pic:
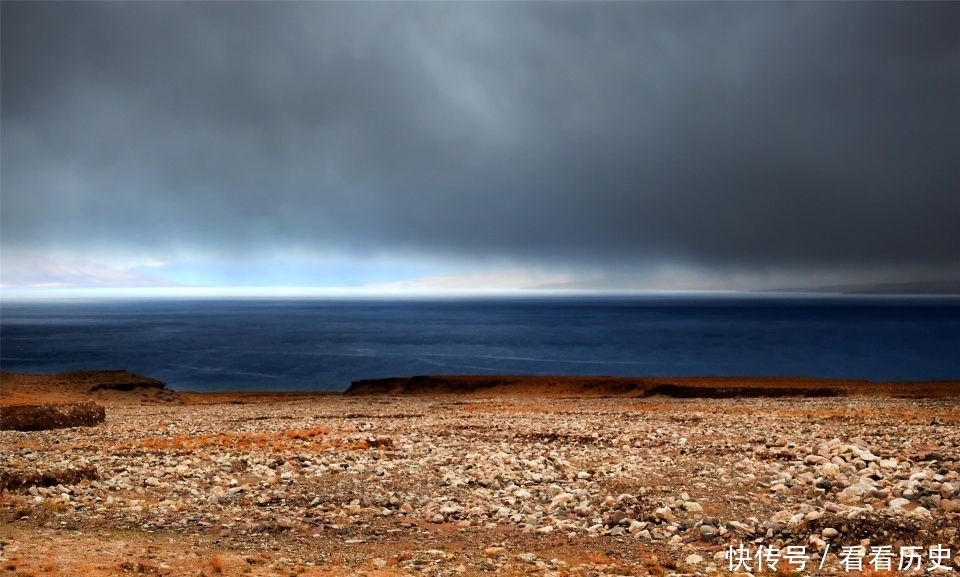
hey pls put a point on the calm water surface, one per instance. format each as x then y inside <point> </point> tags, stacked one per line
<point>325,344</point>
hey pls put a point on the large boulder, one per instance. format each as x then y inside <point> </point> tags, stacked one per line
<point>50,416</point>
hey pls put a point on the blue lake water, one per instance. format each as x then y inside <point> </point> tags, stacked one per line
<point>208,345</point>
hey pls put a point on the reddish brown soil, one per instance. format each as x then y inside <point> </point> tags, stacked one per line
<point>725,454</point>
<point>104,387</point>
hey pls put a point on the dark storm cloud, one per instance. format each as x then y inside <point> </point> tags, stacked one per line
<point>720,134</point>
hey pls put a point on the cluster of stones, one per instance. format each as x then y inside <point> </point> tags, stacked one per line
<point>681,480</point>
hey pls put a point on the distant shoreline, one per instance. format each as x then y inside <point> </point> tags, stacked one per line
<point>123,387</point>
<point>627,387</point>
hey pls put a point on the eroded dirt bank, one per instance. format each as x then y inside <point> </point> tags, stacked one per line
<point>102,387</point>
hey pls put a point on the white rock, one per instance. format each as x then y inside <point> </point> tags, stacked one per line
<point>921,512</point>
<point>561,499</point>
<point>899,503</point>
<point>829,469</point>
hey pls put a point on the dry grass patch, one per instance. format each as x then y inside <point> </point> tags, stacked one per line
<point>275,440</point>
<point>507,407</point>
<point>873,414</point>
<point>871,572</point>
<point>784,572</point>
<point>54,505</point>
<point>304,434</point>
<point>216,563</point>
<point>21,511</point>
<point>317,438</point>
<point>708,406</point>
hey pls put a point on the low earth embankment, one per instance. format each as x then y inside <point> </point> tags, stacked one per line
<point>103,387</point>
<point>50,416</point>
<point>31,402</point>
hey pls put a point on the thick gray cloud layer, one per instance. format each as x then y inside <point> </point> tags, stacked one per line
<point>721,134</point>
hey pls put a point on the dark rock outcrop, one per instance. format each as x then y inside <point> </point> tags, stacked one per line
<point>115,380</point>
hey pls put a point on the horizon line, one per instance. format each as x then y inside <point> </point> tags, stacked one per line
<point>307,292</point>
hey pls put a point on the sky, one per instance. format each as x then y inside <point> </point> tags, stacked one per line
<point>479,145</point>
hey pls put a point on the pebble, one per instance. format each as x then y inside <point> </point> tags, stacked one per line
<point>551,474</point>
<point>899,503</point>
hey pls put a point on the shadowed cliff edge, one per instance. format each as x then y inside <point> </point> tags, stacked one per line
<point>686,387</point>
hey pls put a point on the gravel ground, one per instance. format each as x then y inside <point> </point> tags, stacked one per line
<point>449,485</point>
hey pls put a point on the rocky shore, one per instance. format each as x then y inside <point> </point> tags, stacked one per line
<point>448,485</point>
